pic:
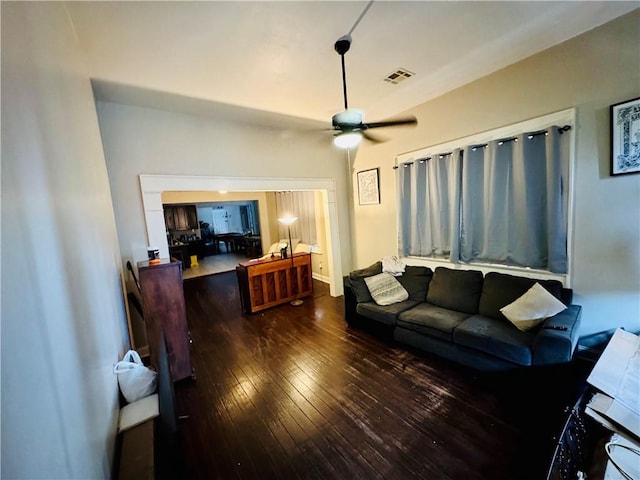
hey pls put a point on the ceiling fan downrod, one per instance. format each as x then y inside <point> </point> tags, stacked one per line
<point>342,46</point>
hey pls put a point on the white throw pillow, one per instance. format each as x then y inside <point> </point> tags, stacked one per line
<point>385,289</point>
<point>532,308</point>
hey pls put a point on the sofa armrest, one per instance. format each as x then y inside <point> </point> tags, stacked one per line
<point>556,345</point>
<point>351,315</point>
<point>350,302</point>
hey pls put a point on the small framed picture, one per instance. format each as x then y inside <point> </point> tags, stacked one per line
<point>369,187</point>
<point>625,137</point>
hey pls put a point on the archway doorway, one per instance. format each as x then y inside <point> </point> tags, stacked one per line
<point>152,187</point>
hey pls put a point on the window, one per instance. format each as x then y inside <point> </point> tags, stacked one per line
<point>501,201</point>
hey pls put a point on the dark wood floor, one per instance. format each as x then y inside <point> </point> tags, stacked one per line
<point>293,392</point>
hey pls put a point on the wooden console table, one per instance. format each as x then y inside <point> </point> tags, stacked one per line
<point>273,281</point>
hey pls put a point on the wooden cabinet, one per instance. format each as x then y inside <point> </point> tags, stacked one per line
<point>164,311</point>
<point>270,282</point>
<point>180,217</point>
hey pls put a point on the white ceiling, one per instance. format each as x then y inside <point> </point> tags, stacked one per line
<point>279,57</point>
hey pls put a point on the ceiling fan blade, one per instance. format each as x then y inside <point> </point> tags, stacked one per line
<point>392,123</point>
<point>372,138</point>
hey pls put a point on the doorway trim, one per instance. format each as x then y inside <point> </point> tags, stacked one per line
<point>152,186</point>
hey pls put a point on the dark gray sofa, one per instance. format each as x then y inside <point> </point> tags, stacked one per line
<point>456,314</point>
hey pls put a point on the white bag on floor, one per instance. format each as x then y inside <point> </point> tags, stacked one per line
<point>136,381</point>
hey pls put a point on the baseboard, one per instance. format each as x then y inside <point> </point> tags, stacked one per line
<point>320,278</point>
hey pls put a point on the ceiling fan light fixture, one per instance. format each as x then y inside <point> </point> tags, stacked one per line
<point>347,139</point>
<point>348,124</point>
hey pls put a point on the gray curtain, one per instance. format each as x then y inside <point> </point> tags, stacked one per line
<point>514,203</point>
<point>429,199</point>
<point>301,205</point>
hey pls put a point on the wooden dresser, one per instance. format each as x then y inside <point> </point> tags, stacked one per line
<point>269,282</point>
<point>164,311</point>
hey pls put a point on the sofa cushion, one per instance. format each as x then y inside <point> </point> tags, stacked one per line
<point>457,290</point>
<point>387,314</point>
<point>385,289</point>
<point>532,308</point>
<point>432,320</point>
<point>415,280</point>
<point>495,338</point>
<point>500,289</point>
<point>357,277</point>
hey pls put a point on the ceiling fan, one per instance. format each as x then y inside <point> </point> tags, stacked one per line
<point>348,124</point>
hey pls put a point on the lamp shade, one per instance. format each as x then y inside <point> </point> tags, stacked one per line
<point>347,139</point>
<point>287,220</point>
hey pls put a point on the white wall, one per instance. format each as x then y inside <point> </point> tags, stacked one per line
<point>140,140</point>
<point>589,72</point>
<point>63,319</point>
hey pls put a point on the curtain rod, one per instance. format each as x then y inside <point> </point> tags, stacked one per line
<point>501,141</point>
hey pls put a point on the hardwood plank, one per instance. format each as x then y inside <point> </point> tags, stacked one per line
<point>293,392</point>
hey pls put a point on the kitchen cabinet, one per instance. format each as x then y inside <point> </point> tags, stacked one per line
<point>196,248</point>
<point>169,220</point>
<point>181,217</point>
<point>182,222</point>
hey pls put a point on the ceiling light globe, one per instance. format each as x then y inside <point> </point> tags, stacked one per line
<point>347,140</point>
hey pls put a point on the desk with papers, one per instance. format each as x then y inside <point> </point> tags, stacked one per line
<point>615,404</point>
<point>600,439</point>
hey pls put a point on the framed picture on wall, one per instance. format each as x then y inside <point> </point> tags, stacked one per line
<point>625,137</point>
<point>369,187</point>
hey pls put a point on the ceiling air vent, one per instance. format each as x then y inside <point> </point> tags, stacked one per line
<point>398,76</point>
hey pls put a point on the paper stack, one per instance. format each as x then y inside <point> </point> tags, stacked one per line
<point>617,376</point>
<point>617,403</point>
